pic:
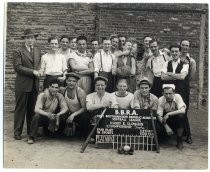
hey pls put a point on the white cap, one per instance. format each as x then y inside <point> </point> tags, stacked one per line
<point>169,86</point>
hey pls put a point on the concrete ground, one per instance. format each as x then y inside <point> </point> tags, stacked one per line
<point>48,153</point>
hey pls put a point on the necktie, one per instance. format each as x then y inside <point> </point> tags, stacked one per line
<point>32,53</point>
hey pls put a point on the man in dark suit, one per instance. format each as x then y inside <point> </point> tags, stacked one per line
<point>26,62</point>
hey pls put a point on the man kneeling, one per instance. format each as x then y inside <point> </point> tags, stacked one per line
<point>171,111</point>
<point>47,105</point>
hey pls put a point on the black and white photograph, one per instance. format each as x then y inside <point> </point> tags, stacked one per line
<point>105,85</point>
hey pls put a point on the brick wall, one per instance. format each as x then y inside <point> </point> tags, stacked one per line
<point>46,19</point>
<point>168,22</point>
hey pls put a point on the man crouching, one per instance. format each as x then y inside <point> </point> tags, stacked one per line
<point>47,105</point>
<point>171,111</point>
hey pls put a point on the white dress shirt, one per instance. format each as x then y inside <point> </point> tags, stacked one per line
<point>53,64</point>
<point>107,61</point>
<point>174,66</point>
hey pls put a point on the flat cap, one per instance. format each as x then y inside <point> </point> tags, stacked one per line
<point>144,80</point>
<point>73,74</point>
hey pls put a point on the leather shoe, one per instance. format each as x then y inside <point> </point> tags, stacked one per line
<point>189,140</point>
<point>30,140</point>
<point>179,143</point>
<point>17,137</point>
<point>180,146</point>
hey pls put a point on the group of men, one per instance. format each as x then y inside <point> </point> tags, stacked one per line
<point>78,83</point>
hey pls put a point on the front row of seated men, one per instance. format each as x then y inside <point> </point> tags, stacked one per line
<point>57,107</point>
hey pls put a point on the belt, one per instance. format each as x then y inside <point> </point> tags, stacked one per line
<point>54,75</point>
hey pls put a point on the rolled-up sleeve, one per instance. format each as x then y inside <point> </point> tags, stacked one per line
<point>160,107</point>
<point>43,65</point>
<point>89,101</point>
<point>179,101</point>
<point>136,100</point>
<point>185,68</point>
<point>96,62</point>
<point>64,67</point>
<point>165,66</point>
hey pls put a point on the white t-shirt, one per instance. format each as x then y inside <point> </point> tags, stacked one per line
<point>125,102</point>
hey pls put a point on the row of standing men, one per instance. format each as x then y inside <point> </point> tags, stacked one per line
<point>131,61</point>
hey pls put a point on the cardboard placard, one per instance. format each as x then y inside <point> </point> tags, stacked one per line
<point>121,127</point>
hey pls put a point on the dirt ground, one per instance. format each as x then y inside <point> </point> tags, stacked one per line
<point>54,153</point>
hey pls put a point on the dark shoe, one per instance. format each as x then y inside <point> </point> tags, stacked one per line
<point>17,137</point>
<point>121,150</point>
<point>189,140</point>
<point>180,146</point>
<point>31,140</point>
<point>179,143</point>
<point>131,151</point>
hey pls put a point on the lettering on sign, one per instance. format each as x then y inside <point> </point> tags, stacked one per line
<point>120,127</point>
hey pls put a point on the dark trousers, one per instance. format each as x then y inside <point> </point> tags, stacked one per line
<point>83,121</point>
<point>25,104</point>
<point>175,122</point>
<point>156,88</point>
<point>41,120</point>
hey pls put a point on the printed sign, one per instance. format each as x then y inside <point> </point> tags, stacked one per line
<point>131,127</point>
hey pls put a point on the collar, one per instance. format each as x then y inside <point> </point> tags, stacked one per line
<point>108,53</point>
<point>29,47</point>
<point>147,97</point>
<point>174,100</point>
<point>187,55</point>
<point>116,93</point>
<point>178,61</point>
<point>81,54</point>
<point>47,93</point>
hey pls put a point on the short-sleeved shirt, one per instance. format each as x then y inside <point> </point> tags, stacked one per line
<point>191,61</point>
<point>48,103</point>
<point>150,101</point>
<point>165,107</point>
<point>94,99</point>
<point>185,67</point>
<point>81,60</point>
<point>53,64</point>
<point>125,102</point>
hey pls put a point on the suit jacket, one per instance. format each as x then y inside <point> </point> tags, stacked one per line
<point>24,66</point>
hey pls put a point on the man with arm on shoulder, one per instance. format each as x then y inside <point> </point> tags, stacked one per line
<point>154,66</point>
<point>176,72</point>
